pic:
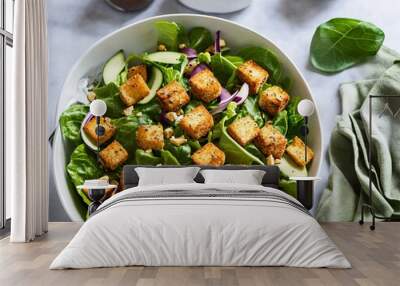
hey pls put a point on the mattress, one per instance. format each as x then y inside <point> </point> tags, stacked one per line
<point>201,225</point>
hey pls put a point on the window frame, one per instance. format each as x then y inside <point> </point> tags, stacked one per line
<point>6,39</point>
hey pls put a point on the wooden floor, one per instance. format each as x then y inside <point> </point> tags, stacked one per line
<point>375,257</point>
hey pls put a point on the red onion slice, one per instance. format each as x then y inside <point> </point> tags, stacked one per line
<point>224,102</point>
<point>242,94</point>
<point>217,43</point>
<point>198,69</point>
<point>190,53</point>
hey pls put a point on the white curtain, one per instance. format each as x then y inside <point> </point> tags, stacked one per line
<point>26,123</point>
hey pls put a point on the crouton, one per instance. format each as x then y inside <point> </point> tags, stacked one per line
<point>243,130</point>
<point>252,74</point>
<point>197,122</point>
<point>113,155</point>
<point>140,69</point>
<point>296,151</point>
<point>210,155</point>
<point>271,142</point>
<point>134,90</point>
<point>90,129</point>
<point>205,86</point>
<point>273,100</point>
<point>173,96</point>
<point>150,137</point>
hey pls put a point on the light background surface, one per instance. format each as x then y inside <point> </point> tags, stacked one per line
<point>73,26</point>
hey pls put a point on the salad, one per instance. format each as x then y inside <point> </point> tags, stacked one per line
<point>193,100</point>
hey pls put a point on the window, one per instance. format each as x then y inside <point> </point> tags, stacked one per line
<point>6,44</point>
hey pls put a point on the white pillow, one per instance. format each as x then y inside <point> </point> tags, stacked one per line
<point>249,177</point>
<point>164,176</point>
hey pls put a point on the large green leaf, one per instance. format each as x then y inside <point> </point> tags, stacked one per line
<point>146,158</point>
<point>83,166</point>
<point>222,68</point>
<point>280,122</point>
<point>342,42</point>
<point>70,123</point>
<point>169,34</point>
<point>294,119</point>
<point>200,38</point>
<point>110,95</point>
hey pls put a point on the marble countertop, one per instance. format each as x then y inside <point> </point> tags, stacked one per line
<point>73,26</point>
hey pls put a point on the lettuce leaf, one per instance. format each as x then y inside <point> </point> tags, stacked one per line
<point>146,158</point>
<point>295,120</point>
<point>83,166</point>
<point>222,68</point>
<point>70,123</point>
<point>168,158</point>
<point>110,95</point>
<point>200,38</point>
<point>182,153</point>
<point>280,122</point>
<point>169,34</point>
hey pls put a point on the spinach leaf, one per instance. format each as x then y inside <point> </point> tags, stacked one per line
<point>83,166</point>
<point>110,95</point>
<point>168,158</point>
<point>200,38</point>
<point>342,42</point>
<point>182,153</point>
<point>152,109</point>
<point>146,158</point>
<point>250,107</point>
<point>126,130</point>
<point>251,148</point>
<point>237,61</point>
<point>295,120</point>
<point>168,34</point>
<point>222,68</point>
<point>267,60</point>
<point>280,122</point>
<point>70,123</point>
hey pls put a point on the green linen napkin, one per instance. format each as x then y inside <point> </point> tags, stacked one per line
<point>348,152</point>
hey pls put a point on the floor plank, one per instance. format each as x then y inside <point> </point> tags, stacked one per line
<point>375,257</point>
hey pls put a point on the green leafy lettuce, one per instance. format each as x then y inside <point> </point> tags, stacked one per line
<point>170,34</point>
<point>182,153</point>
<point>250,107</point>
<point>294,119</point>
<point>70,123</point>
<point>83,166</point>
<point>200,38</point>
<point>110,95</point>
<point>222,68</point>
<point>280,122</point>
<point>342,42</point>
<point>146,158</point>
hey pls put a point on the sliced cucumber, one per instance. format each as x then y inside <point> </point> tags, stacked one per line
<point>154,84</point>
<point>85,138</point>
<point>172,58</point>
<point>113,67</point>
<point>290,169</point>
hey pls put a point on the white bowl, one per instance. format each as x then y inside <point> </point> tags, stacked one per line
<point>140,37</point>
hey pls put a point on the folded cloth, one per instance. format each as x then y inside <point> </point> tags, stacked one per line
<point>348,184</point>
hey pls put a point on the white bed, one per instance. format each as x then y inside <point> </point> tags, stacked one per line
<point>222,225</point>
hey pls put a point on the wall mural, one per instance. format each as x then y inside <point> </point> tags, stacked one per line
<point>193,99</point>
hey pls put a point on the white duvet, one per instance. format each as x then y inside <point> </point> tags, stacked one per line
<point>190,231</point>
